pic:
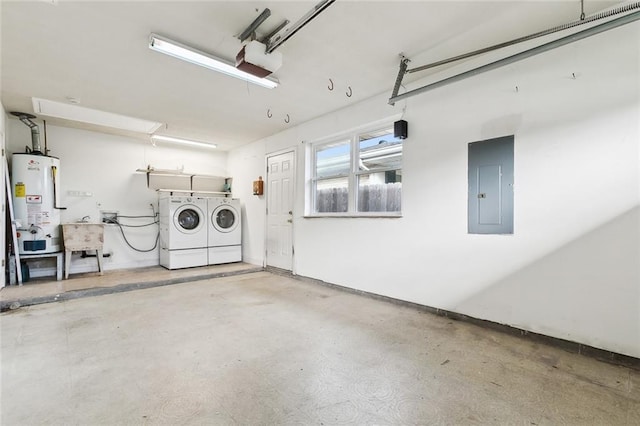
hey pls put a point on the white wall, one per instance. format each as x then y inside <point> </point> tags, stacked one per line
<point>105,166</point>
<point>571,269</point>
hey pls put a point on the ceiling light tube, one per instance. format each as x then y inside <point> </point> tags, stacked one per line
<point>198,57</point>
<point>182,141</point>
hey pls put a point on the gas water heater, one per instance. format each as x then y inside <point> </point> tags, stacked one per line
<point>35,177</point>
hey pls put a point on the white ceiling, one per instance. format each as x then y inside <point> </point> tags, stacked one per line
<point>98,52</point>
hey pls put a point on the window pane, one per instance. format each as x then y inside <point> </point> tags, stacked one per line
<point>332,195</point>
<point>333,159</point>
<point>378,150</point>
<point>380,192</point>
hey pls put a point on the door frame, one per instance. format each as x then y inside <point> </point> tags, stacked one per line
<point>4,257</point>
<point>294,208</point>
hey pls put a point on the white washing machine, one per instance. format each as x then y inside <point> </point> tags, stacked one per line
<point>183,231</point>
<point>225,230</point>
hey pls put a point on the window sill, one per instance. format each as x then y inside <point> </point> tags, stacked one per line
<point>355,215</point>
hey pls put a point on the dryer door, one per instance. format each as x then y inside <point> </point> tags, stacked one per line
<point>188,219</point>
<point>225,218</point>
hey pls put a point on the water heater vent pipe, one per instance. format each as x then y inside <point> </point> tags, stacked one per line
<point>35,130</point>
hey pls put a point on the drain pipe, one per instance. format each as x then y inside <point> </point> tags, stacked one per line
<point>615,23</point>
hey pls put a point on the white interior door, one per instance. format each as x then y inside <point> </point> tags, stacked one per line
<point>280,174</point>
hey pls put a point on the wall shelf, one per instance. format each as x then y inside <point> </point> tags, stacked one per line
<point>191,192</point>
<point>164,180</point>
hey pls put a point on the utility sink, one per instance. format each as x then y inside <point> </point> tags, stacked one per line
<point>82,236</point>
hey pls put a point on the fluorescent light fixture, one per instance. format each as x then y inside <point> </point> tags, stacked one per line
<point>93,116</point>
<point>182,141</point>
<point>198,57</point>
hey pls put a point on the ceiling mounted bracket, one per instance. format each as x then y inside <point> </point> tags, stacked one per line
<point>250,31</point>
<point>613,12</point>
<point>572,38</point>
<point>273,33</point>
<point>404,63</point>
<point>278,40</point>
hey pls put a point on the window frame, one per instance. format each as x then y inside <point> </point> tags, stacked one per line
<point>353,138</point>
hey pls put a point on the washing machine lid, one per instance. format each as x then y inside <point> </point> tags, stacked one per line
<point>225,218</point>
<point>188,219</point>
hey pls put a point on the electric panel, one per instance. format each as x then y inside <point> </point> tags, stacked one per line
<point>490,197</point>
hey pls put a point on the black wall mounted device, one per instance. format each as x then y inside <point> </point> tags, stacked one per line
<point>400,129</point>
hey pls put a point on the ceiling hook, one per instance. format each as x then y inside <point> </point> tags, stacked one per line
<point>330,87</point>
<point>269,113</point>
<point>350,92</point>
<point>286,120</point>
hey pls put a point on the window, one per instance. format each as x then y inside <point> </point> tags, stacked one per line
<point>358,175</point>
<point>333,164</point>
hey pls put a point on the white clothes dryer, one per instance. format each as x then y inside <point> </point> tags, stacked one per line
<point>183,231</point>
<point>225,230</point>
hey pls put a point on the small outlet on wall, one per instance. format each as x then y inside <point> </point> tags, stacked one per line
<point>109,217</point>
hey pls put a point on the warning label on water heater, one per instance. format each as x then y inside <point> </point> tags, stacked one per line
<point>34,199</point>
<point>20,190</point>
<point>36,216</point>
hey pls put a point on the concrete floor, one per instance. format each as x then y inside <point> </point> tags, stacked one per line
<point>43,289</point>
<point>265,349</point>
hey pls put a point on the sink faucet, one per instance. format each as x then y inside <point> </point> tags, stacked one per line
<point>85,219</point>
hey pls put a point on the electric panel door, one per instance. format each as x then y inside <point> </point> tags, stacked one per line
<point>491,186</point>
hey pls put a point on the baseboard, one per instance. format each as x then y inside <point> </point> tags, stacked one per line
<point>567,345</point>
